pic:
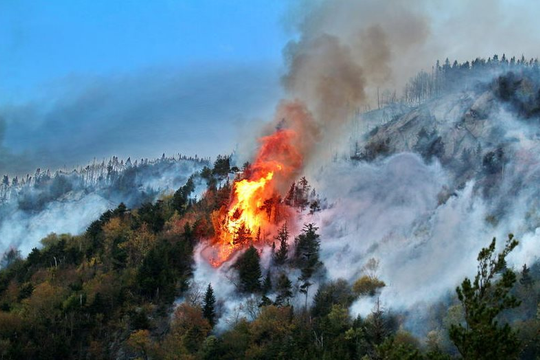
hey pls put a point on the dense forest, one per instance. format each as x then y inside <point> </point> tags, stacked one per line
<point>125,288</point>
<point>113,292</point>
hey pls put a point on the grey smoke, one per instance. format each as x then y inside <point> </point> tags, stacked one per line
<point>68,202</point>
<point>424,219</point>
<point>166,109</point>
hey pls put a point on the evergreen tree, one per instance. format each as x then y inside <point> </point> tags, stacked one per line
<point>302,194</point>
<point>258,237</point>
<point>10,257</point>
<point>249,271</point>
<point>483,300</point>
<point>265,301</point>
<point>209,311</point>
<point>243,235</point>
<point>337,292</point>
<point>307,256</point>
<point>180,200</point>
<point>280,257</point>
<point>222,166</point>
<point>283,289</point>
<point>526,278</point>
<point>267,284</point>
<point>314,206</point>
<point>289,199</point>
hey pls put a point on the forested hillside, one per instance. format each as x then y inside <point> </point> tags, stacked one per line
<point>385,253</point>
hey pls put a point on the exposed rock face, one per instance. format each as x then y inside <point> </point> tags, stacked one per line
<point>472,132</point>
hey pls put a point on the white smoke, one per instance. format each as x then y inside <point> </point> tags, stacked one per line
<point>400,210</point>
<point>30,212</point>
<point>73,214</point>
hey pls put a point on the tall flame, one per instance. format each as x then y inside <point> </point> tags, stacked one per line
<point>246,210</point>
<point>256,205</point>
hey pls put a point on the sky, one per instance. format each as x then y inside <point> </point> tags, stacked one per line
<point>133,78</point>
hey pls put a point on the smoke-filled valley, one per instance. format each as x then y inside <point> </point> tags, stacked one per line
<point>384,212</point>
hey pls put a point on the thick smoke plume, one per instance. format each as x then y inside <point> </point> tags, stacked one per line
<point>424,215</point>
<point>344,51</point>
<point>348,52</point>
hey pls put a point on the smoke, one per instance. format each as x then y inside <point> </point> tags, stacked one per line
<point>392,40</point>
<point>402,211</point>
<point>391,211</point>
<point>24,230</point>
<point>324,75</point>
<point>424,221</point>
<point>346,52</point>
<point>9,161</point>
<point>346,49</point>
<point>143,114</point>
<point>67,202</point>
<point>343,50</point>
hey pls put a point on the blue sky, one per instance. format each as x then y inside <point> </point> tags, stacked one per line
<point>85,79</point>
<point>42,41</point>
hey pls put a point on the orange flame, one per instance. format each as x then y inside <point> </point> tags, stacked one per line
<point>255,207</point>
<point>245,210</point>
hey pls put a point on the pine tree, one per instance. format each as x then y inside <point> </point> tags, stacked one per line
<point>243,235</point>
<point>209,306</point>
<point>249,271</point>
<point>289,199</point>
<point>302,194</point>
<point>280,257</point>
<point>283,289</point>
<point>314,206</point>
<point>180,200</point>
<point>265,301</point>
<point>377,327</point>
<point>267,284</point>
<point>483,300</point>
<point>307,256</point>
<point>526,278</point>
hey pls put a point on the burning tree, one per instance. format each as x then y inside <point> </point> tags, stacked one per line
<point>256,206</point>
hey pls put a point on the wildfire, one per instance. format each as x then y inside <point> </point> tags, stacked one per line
<point>246,212</point>
<point>255,207</point>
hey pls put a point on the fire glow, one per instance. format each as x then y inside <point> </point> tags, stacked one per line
<point>256,205</point>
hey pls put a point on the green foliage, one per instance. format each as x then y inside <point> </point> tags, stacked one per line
<point>526,278</point>
<point>162,268</point>
<point>392,350</point>
<point>109,293</point>
<point>209,306</point>
<point>280,257</point>
<point>306,256</point>
<point>180,200</point>
<point>283,290</point>
<point>222,166</point>
<point>9,258</point>
<point>267,285</point>
<point>152,214</point>
<point>483,300</point>
<point>249,271</point>
<point>367,286</point>
<point>332,293</point>
<point>378,326</point>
